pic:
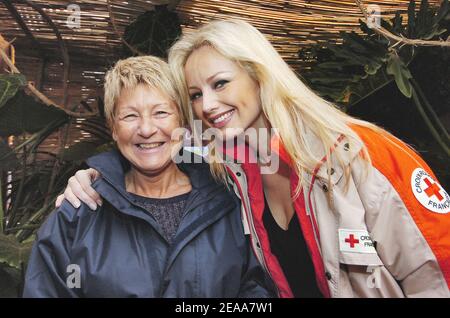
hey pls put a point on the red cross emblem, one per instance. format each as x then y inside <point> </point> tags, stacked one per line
<point>433,189</point>
<point>351,240</point>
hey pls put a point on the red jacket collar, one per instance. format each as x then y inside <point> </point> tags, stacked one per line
<point>242,152</point>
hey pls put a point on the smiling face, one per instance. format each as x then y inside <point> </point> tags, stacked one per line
<point>222,93</point>
<point>143,123</point>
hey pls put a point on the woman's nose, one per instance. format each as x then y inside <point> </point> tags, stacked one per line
<point>147,127</point>
<point>210,103</point>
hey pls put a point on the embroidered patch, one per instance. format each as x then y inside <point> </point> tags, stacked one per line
<point>356,241</point>
<point>429,193</point>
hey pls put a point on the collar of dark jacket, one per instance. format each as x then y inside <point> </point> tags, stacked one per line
<point>113,166</point>
<point>111,186</point>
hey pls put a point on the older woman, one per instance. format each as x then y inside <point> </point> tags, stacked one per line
<point>351,212</point>
<point>164,230</point>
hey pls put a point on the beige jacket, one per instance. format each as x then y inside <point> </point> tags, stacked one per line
<point>383,234</point>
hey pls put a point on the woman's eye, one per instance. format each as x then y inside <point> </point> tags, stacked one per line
<point>129,116</point>
<point>220,84</point>
<point>161,113</point>
<point>195,96</point>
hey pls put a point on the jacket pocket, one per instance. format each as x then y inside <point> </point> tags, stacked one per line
<point>363,259</point>
<point>336,175</point>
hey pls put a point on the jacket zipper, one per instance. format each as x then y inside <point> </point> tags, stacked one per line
<point>189,209</point>
<point>310,213</point>
<point>250,217</point>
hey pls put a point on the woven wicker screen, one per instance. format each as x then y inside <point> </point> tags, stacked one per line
<point>289,25</point>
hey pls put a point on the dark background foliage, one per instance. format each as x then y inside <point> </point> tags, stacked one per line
<point>394,112</point>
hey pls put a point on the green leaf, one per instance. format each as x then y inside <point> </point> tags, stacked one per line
<point>434,32</point>
<point>401,73</point>
<point>10,280</point>
<point>371,68</point>
<point>411,18</point>
<point>9,84</point>
<point>346,53</point>
<point>442,12</point>
<point>397,23</point>
<point>424,20</point>
<point>23,114</point>
<point>364,27</point>
<point>387,25</point>
<point>368,86</point>
<point>424,11</point>
<point>153,32</point>
<point>12,252</point>
<point>372,49</point>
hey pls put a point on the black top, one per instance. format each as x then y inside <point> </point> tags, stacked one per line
<point>168,212</point>
<point>291,251</point>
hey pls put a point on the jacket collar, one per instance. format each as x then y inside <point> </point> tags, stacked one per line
<point>113,166</point>
<point>111,186</point>
<point>346,149</point>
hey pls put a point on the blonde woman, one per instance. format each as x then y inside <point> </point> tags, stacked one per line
<point>351,211</point>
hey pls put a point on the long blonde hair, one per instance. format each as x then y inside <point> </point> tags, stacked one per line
<point>289,105</point>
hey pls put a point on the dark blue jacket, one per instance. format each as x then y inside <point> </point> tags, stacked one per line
<point>119,250</point>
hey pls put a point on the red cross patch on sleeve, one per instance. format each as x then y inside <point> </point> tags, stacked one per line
<point>429,193</point>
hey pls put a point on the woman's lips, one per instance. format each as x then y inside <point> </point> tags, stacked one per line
<point>150,147</point>
<point>222,120</point>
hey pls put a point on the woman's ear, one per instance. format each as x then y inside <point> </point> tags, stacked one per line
<point>113,133</point>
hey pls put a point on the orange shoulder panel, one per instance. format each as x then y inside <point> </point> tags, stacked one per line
<point>398,162</point>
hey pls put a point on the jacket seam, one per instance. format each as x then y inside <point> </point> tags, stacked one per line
<point>412,222</point>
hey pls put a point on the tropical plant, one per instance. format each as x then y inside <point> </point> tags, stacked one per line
<point>31,177</point>
<point>153,32</point>
<point>363,64</point>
